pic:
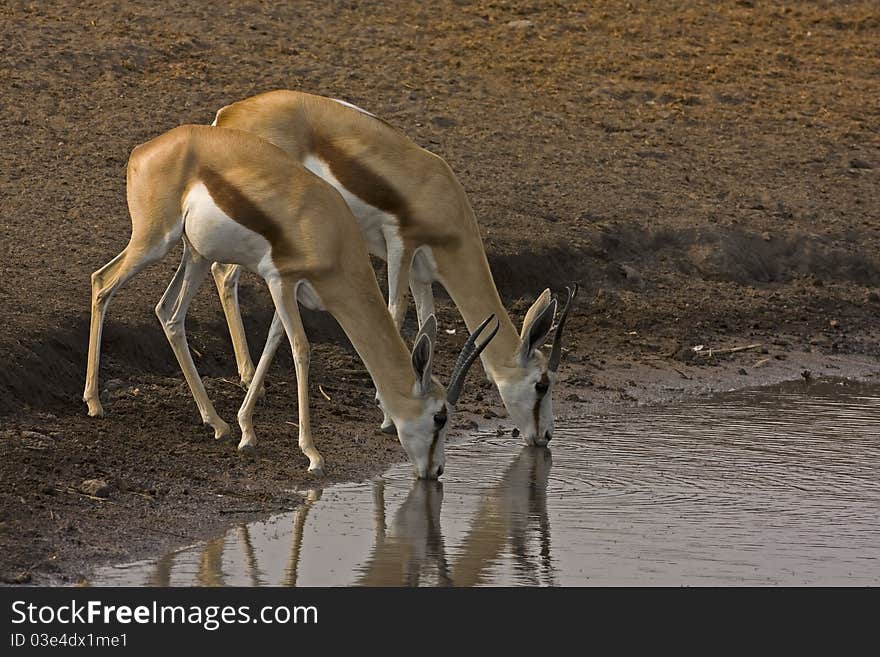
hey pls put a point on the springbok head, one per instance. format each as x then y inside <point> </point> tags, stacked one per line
<point>526,388</point>
<point>423,436</point>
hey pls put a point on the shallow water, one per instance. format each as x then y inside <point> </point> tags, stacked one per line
<point>772,486</point>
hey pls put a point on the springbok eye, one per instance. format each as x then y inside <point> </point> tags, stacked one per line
<point>439,419</point>
<point>542,387</point>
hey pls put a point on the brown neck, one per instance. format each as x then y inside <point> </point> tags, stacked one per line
<point>363,316</point>
<point>464,272</point>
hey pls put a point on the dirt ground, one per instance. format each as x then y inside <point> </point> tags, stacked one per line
<point>710,175</point>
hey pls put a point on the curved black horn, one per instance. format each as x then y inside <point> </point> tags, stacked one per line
<point>556,352</point>
<point>466,358</point>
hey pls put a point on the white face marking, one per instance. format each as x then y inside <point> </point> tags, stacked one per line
<point>217,237</point>
<point>417,438</point>
<point>520,396</point>
<point>354,107</point>
<point>371,219</point>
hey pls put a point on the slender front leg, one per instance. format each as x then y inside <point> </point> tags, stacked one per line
<point>246,413</point>
<point>171,312</point>
<point>226,279</point>
<point>284,296</point>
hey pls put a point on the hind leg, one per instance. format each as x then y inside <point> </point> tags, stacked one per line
<point>105,283</point>
<point>226,278</point>
<point>171,312</point>
<point>245,414</point>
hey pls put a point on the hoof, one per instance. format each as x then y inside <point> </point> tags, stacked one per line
<point>390,429</point>
<point>316,472</point>
<point>95,408</point>
<point>247,449</point>
<point>221,430</point>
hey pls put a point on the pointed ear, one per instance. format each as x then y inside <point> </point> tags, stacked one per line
<point>429,328</point>
<point>536,326</point>
<point>422,358</point>
<point>540,304</point>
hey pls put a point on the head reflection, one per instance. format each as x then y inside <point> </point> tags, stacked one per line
<point>410,551</point>
<point>511,517</point>
<point>512,514</point>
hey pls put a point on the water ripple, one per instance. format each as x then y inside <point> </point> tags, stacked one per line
<point>770,486</point>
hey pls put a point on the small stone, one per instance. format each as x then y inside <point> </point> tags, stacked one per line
<point>515,432</point>
<point>685,355</point>
<point>742,371</point>
<point>520,24</point>
<point>858,163</point>
<point>443,122</point>
<point>95,487</point>
<point>834,323</point>
<point>114,384</point>
<point>34,435</point>
<point>766,236</point>
<point>36,441</point>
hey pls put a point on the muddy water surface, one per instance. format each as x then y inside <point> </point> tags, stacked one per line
<point>771,486</point>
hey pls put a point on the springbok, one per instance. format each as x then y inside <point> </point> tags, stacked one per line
<point>415,215</point>
<point>235,198</point>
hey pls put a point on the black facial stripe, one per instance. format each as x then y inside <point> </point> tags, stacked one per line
<point>545,380</point>
<point>444,412</point>
<point>431,450</point>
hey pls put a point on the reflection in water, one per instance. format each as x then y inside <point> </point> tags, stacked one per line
<point>775,486</point>
<point>413,544</point>
<point>211,563</point>
<point>412,551</point>
<point>299,522</point>
<point>504,517</point>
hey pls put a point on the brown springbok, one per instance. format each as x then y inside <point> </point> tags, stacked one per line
<point>235,198</point>
<point>415,215</point>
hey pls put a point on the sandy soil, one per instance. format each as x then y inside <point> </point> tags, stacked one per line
<point>709,175</point>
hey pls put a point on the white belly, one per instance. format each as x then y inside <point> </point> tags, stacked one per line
<point>217,237</point>
<point>374,223</point>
